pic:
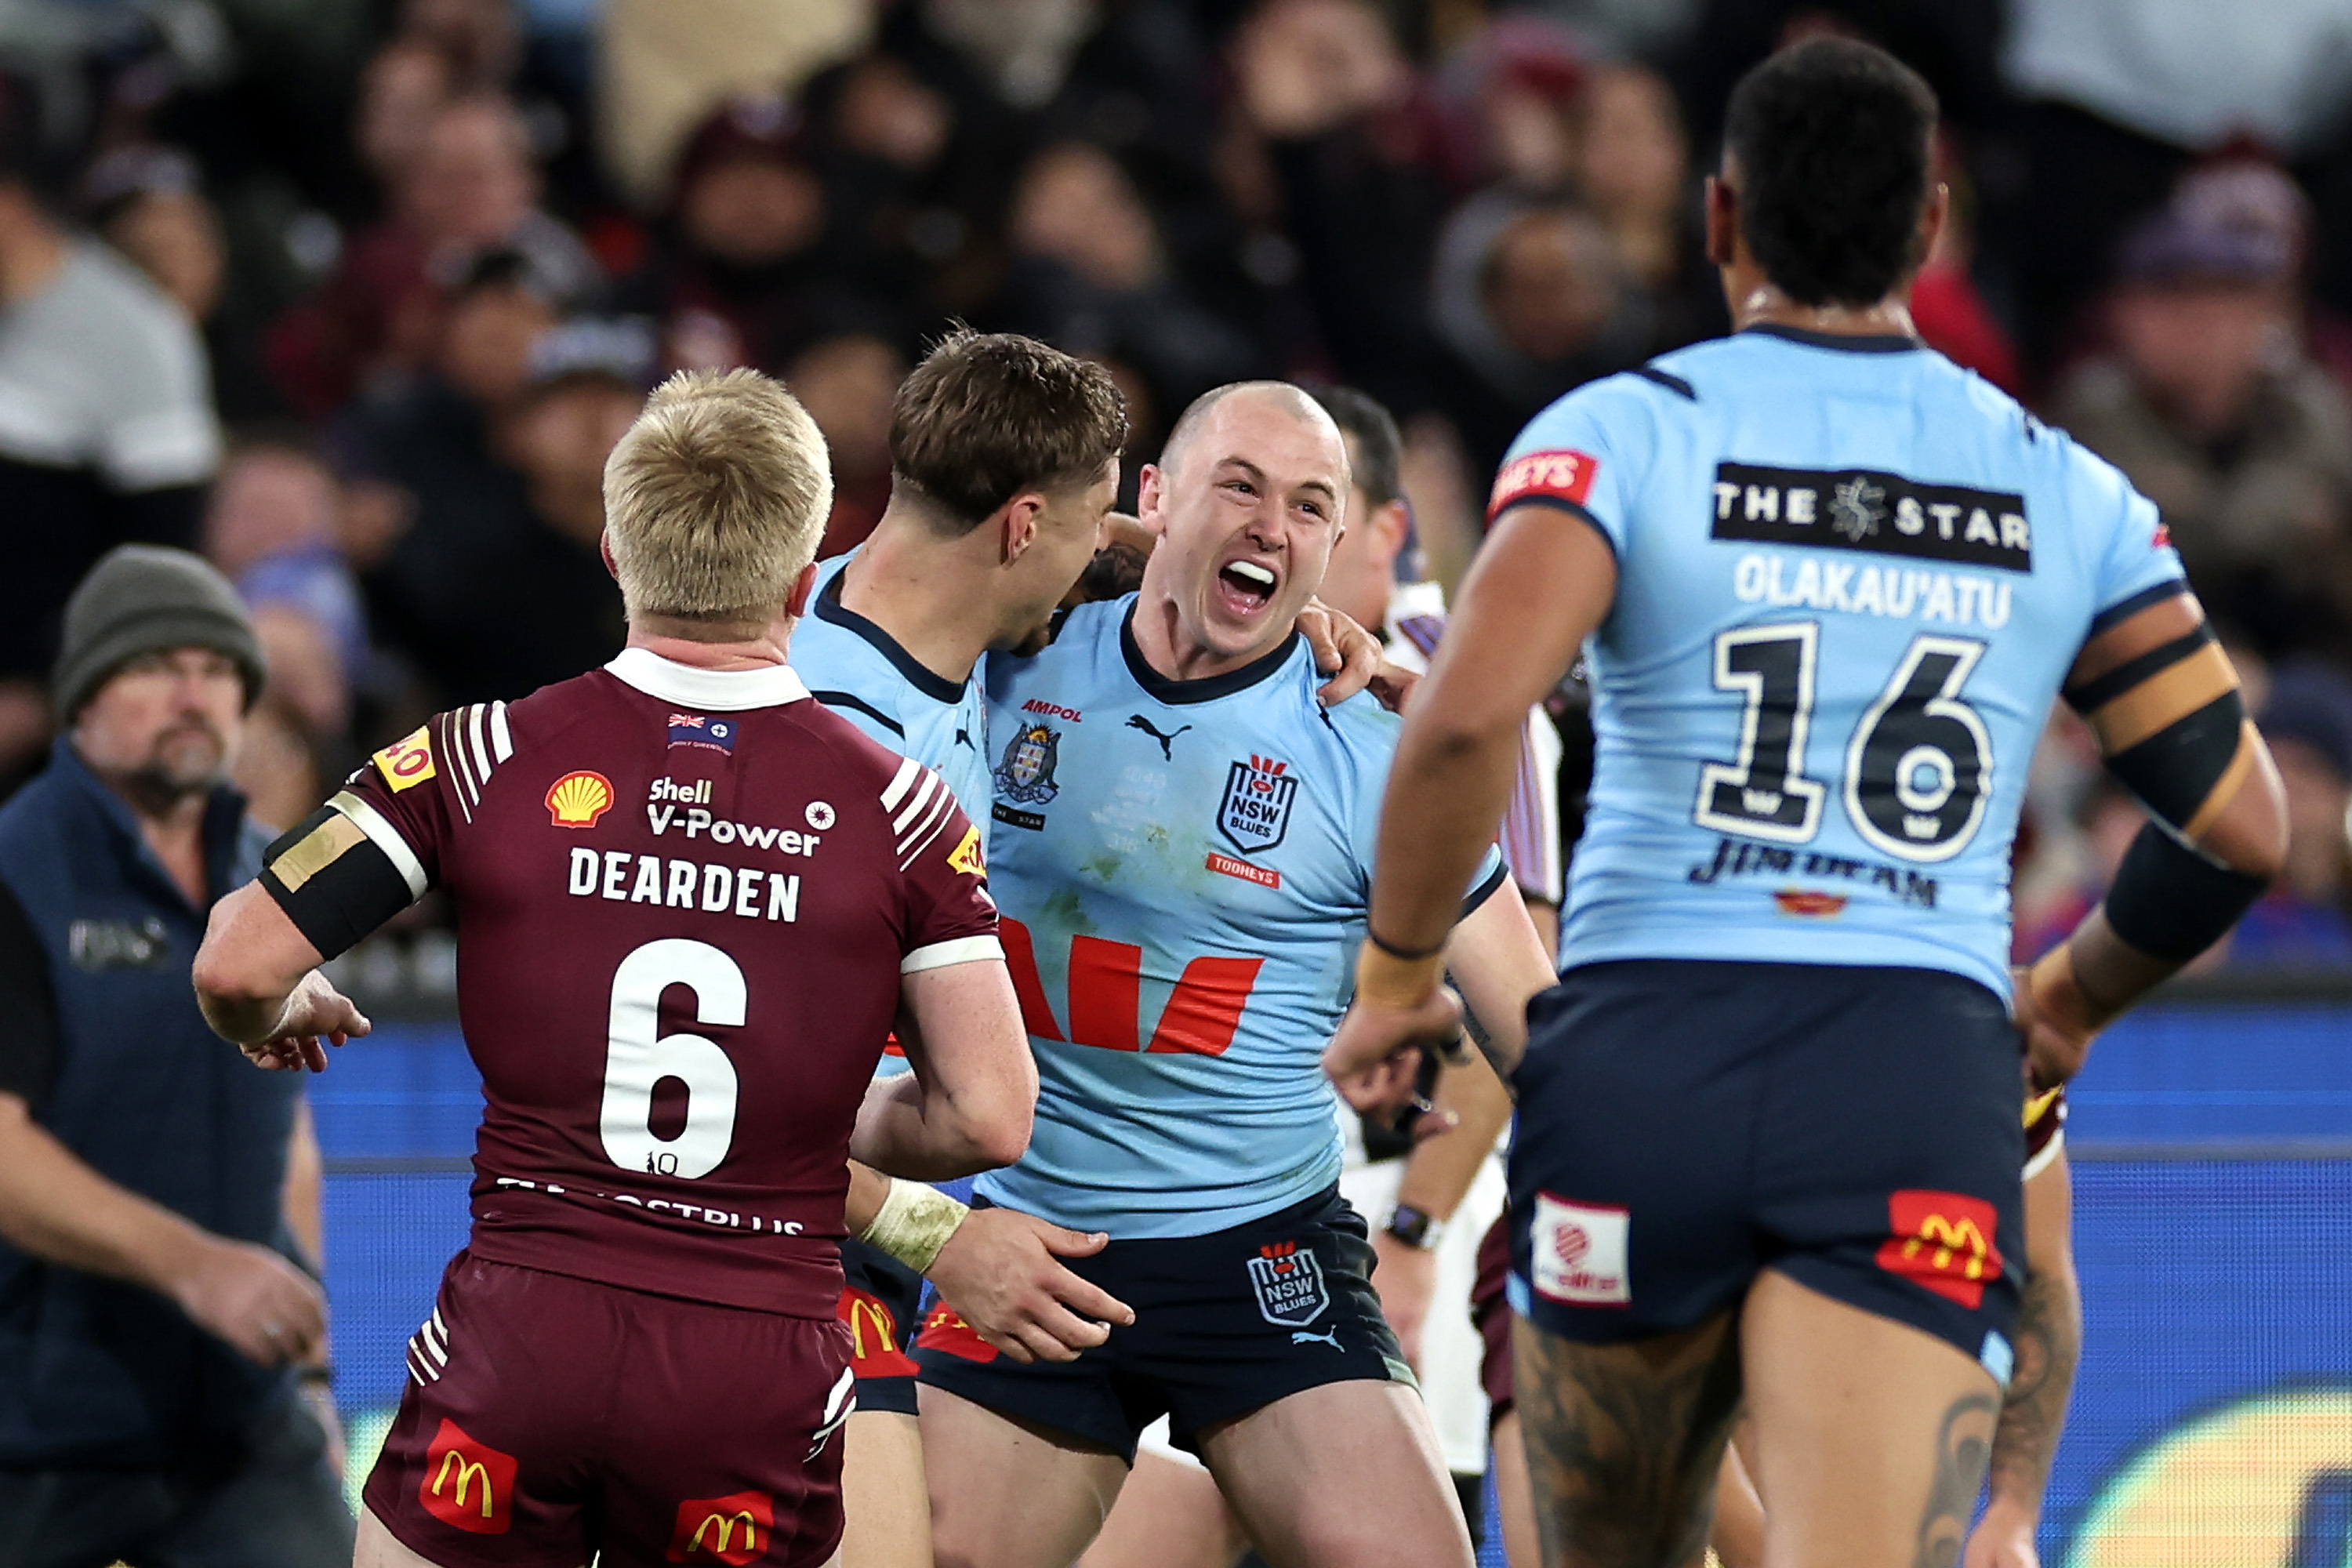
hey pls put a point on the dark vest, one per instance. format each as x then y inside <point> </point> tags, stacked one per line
<point>91,1370</point>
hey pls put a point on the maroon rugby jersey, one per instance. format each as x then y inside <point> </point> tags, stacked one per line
<point>685,900</point>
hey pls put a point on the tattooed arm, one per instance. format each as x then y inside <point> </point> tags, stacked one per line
<point>2049,1343</point>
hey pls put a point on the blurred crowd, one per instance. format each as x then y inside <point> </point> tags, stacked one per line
<point>355,295</point>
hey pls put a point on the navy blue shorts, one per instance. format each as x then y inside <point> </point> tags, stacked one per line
<point>881,1303</point>
<point>1224,1324</point>
<point>1684,1124</point>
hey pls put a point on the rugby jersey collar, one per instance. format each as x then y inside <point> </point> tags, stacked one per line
<point>1872,343</point>
<point>1176,693</point>
<point>919,675</point>
<point>715,690</point>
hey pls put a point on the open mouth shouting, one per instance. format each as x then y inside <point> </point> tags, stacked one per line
<point>1247,585</point>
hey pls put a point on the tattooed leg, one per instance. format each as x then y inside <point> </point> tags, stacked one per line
<point>1871,1437</point>
<point>1623,1442</point>
<point>2049,1340</point>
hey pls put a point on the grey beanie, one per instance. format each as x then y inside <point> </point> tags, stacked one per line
<point>142,599</point>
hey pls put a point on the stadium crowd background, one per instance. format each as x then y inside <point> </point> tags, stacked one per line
<point>436,250</point>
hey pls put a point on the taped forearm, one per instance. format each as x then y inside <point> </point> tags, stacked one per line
<point>914,1223</point>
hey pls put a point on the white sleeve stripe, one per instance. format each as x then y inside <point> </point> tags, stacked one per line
<point>900,785</point>
<point>481,752</point>
<point>453,746</point>
<point>937,824</point>
<point>502,738</point>
<point>941,804</point>
<point>915,806</point>
<point>386,837</point>
<point>962,950</point>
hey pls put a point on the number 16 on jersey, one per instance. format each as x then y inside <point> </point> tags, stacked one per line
<point>1916,769</point>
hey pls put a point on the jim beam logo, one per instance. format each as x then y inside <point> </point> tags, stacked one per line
<point>1288,1279</point>
<point>1255,811</point>
<point>1865,510</point>
<point>468,1484</point>
<point>736,1529</point>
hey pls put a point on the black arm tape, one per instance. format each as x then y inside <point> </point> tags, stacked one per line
<point>332,881</point>
<point>2094,694</point>
<point>2173,770</point>
<point>2172,903</point>
<point>1486,888</point>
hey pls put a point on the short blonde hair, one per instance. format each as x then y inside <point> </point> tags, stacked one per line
<point>716,499</point>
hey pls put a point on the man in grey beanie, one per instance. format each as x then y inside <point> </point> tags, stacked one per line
<point>157,1313</point>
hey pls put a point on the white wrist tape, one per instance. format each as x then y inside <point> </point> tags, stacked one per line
<point>913,1224</point>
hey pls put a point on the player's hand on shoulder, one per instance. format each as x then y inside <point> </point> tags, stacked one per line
<point>1002,1272</point>
<point>1345,651</point>
<point>2003,1539</point>
<point>268,1310</point>
<point>316,1015</point>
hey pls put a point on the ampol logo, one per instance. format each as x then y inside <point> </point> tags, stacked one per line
<point>735,1529</point>
<point>468,1485</point>
<point>578,799</point>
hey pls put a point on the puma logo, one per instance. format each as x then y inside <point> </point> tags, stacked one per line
<point>1167,742</point>
<point>1329,1337</point>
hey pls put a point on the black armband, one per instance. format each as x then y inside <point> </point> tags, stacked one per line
<point>334,881</point>
<point>2170,903</point>
<point>2175,772</point>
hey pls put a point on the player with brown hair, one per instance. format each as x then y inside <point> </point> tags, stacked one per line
<point>693,903</point>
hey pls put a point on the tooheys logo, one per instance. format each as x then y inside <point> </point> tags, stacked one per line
<point>1879,514</point>
<point>1944,1242</point>
<point>468,1485</point>
<point>1563,475</point>
<point>735,1529</point>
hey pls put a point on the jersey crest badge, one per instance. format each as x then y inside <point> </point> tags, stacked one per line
<point>699,730</point>
<point>578,799</point>
<point>1256,812</point>
<point>1288,1280</point>
<point>968,856</point>
<point>1026,773</point>
<point>407,761</point>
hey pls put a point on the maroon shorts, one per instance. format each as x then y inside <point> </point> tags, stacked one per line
<point>547,1418</point>
<point>1492,1314</point>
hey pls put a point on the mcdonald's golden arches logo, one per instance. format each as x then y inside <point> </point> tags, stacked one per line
<point>468,1485</point>
<point>735,1530</point>
<point>1943,1242</point>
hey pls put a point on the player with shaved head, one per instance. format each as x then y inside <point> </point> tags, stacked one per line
<point>1180,837</point>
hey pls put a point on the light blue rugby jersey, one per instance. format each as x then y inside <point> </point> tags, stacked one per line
<point>1182,868</point>
<point>1851,579</point>
<point>858,670</point>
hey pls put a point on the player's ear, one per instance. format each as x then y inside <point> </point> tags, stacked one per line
<point>604,550</point>
<point>803,589</point>
<point>1020,525</point>
<point>1151,496</point>
<point>1722,221</point>
<point>1932,218</point>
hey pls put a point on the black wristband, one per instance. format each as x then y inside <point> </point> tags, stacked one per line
<point>2172,903</point>
<point>1409,954</point>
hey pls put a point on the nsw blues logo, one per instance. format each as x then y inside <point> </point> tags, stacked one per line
<point>1256,812</point>
<point>1026,773</point>
<point>1288,1279</point>
<point>701,730</point>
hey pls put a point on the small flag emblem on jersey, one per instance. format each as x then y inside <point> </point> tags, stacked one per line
<point>701,730</point>
<point>1026,773</point>
<point>407,761</point>
<point>1288,1279</point>
<point>578,799</point>
<point>1256,812</point>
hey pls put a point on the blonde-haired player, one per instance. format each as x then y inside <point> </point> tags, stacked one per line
<point>675,1012</point>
